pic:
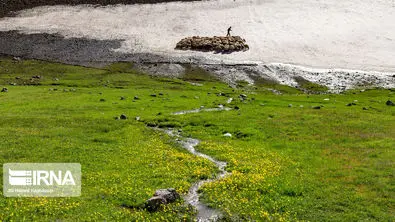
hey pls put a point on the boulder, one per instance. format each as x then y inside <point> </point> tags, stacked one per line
<point>161,196</point>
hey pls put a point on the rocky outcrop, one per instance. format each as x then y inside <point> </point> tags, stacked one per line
<point>222,44</point>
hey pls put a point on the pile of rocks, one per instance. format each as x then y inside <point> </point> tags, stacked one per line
<point>224,44</point>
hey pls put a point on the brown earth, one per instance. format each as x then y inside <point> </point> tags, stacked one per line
<point>8,6</point>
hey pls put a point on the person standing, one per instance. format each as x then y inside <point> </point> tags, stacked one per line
<point>229,30</point>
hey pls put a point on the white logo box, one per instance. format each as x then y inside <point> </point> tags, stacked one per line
<point>42,179</point>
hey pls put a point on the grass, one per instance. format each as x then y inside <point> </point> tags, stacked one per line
<point>288,163</point>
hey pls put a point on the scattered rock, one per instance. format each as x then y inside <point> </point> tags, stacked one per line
<point>161,94</point>
<point>161,196</point>
<point>237,108</point>
<point>4,89</point>
<point>316,107</point>
<point>243,96</point>
<point>153,95</point>
<point>227,135</point>
<point>364,108</point>
<point>290,105</point>
<point>390,103</point>
<point>17,77</point>
<point>17,58</point>
<point>301,106</point>
<point>36,77</point>
<point>137,118</point>
<point>123,116</point>
<point>136,98</point>
<point>352,104</point>
<point>102,100</point>
<point>123,98</point>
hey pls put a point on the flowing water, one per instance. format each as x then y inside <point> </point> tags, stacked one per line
<point>205,213</point>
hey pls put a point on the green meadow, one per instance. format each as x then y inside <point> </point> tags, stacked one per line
<point>292,156</point>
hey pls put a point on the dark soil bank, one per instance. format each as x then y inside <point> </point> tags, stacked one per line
<point>7,6</point>
<point>76,51</point>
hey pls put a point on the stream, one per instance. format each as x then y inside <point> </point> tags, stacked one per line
<point>205,213</point>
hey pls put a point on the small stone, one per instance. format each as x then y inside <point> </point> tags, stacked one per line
<point>364,108</point>
<point>317,107</point>
<point>161,94</point>
<point>123,116</point>
<point>137,118</point>
<point>136,98</point>
<point>227,135</point>
<point>326,99</point>
<point>301,106</point>
<point>102,100</point>
<point>4,89</point>
<point>390,103</point>
<point>243,95</point>
<point>123,98</point>
<point>237,108</point>
<point>153,95</point>
<point>290,105</point>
